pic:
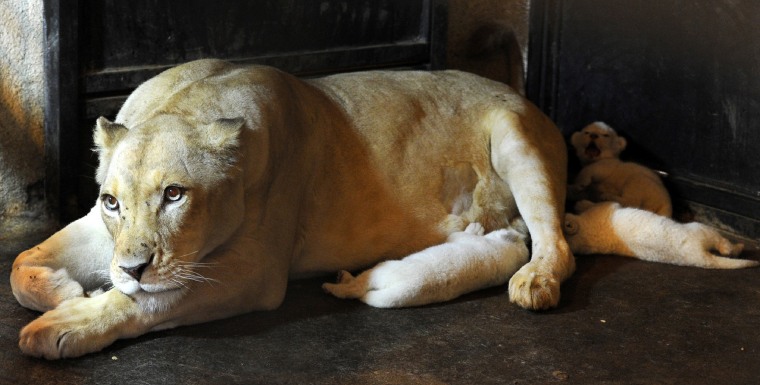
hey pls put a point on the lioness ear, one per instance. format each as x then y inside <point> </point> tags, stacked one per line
<point>222,140</point>
<point>107,133</point>
<point>224,134</point>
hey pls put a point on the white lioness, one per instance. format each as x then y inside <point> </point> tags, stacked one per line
<point>468,261</point>
<point>608,228</point>
<point>605,177</point>
<point>225,181</point>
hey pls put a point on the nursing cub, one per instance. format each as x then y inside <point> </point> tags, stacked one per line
<point>468,261</point>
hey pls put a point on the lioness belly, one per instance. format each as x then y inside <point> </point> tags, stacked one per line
<point>424,169</point>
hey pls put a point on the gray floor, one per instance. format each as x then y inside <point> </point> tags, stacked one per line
<point>620,322</point>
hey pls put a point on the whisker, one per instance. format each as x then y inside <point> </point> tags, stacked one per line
<point>185,255</point>
<point>193,276</point>
<point>182,273</point>
<point>196,264</point>
<point>180,283</point>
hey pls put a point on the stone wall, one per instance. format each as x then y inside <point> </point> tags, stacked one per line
<point>21,113</point>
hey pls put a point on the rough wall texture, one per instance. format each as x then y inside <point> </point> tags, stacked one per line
<point>21,112</point>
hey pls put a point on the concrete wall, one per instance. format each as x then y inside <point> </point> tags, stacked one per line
<point>21,112</point>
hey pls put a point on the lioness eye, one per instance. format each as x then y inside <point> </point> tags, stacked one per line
<point>173,193</point>
<point>110,202</point>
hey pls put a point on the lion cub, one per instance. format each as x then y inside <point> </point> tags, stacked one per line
<point>605,177</point>
<point>468,261</point>
<point>608,228</point>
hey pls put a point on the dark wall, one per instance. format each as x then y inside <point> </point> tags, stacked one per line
<point>679,79</point>
<point>100,50</point>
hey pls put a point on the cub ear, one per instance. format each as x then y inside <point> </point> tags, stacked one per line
<point>620,144</point>
<point>575,139</point>
<point>107,134</point>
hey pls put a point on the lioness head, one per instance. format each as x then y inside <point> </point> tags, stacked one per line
<point>170,192</point>
<point>597,141</point>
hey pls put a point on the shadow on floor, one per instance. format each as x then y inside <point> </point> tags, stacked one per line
<point>620,321</point>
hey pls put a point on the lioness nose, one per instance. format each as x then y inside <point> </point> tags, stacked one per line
<point>135,271</point>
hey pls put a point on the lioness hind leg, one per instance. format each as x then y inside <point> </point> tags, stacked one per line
<point>532,161</point>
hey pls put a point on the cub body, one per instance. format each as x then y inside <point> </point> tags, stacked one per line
<point>468,261</point>
<point>604,177</point>
<point>608,228</point>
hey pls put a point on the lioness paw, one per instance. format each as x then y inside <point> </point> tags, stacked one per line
<point>532,289</point>
<point>82,325</point>
<point>71,330</point>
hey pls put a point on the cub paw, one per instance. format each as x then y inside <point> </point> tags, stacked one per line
<point>508,235</point>
<point>475,228</point>
<point>346,287</point>
<point>532,289</point>
<point>344,277</point>
<point>728,249</point>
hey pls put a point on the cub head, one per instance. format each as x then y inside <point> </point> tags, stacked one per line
<point>597,141</point>
<point>171,192</point>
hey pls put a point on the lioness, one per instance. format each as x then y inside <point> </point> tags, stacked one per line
<point>218,183</point>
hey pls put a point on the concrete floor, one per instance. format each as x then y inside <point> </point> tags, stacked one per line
<point>620,321</point>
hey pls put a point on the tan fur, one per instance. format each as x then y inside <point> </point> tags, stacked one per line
<point>277,178</point>
<point>468,261</point>
<point>608,228</point>
<point>605,177</point>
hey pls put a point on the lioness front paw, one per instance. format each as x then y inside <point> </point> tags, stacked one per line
<point>82,325</point>
<point>74,328</point>
<point>533,289</point>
